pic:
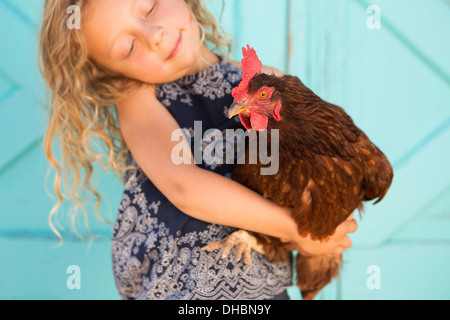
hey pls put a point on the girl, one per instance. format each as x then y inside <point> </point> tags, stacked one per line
<point>135,72</point>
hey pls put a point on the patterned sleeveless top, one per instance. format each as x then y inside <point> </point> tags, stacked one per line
<point>156,248</point>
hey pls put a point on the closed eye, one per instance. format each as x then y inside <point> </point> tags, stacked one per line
<point>152,9</point>
<point>131,49</point>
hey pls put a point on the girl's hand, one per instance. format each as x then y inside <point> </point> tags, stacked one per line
<point>335,244</point>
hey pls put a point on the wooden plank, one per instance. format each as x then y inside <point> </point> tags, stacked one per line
<point>323,42</point>
<point>431,224</point>
<point>7,88</point>
<point>262,25</point>
<point>364,71</point>
<point>422,26</point>
<point>404,116</point>
<point>407,271</point>
<point>223,11</point>
<point>415,184</point>
<point>269,39</point>
<point>37,270</point>
<point>21,124</point>
<point>26,204</point>
<point>30,10</point>
<point>297,37</point>
<point>348,63</point>
<point>19,51</point>
<point>27,198</point>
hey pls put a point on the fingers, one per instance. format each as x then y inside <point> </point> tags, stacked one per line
<point>348,226</point>
<point>352,226</point>
<point>335,244</point>
<point>341,241</point>
<point>346,242</point>
<point>303,253</point>
<point>350,217</point>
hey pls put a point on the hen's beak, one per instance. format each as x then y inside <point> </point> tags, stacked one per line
<point>236,108</point>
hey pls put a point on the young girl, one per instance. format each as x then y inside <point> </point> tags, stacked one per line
<point>135,72</point>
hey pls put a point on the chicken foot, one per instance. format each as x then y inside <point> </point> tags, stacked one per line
<point>242,242</point>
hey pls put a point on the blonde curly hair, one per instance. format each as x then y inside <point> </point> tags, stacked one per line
<point>81,110</point>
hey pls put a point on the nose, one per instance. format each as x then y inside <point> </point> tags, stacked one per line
<point>154,36</point>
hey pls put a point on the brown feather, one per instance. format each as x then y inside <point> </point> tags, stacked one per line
<point>328,167</point>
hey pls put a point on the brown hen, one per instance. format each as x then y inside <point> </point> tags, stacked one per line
<point>327,165</point>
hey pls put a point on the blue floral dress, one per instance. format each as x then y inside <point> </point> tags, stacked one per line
<point>156,248</point>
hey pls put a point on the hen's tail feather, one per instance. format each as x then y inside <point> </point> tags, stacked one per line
<point>379,176</point>
<point>314,273</point>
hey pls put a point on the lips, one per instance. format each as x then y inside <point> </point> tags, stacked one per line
<point>177,47</point>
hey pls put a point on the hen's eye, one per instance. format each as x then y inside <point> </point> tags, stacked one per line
<point>263,94</point>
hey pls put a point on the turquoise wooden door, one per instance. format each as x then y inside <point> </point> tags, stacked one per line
<point>394,82</point>
<point>387,63</point>
<point>31,267</point>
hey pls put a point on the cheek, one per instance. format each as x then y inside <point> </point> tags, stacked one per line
<point>178,16</point>
<point>177,12</point>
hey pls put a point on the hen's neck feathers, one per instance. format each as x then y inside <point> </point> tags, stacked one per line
<point>310,125</point>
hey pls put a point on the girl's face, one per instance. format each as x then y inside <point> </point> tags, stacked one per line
<point>154,41</point>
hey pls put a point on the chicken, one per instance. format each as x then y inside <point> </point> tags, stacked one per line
<point>327,166</point>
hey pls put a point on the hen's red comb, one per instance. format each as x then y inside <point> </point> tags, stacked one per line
<point>251,66</point>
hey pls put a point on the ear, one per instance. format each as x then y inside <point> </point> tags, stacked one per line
<point>276,111</point>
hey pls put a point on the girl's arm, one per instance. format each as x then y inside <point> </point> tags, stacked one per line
<point>147,128</point>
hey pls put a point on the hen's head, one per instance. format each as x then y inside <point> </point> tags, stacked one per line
<point>256,98</point>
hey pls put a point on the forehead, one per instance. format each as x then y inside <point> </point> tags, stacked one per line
<point>101,24</point>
